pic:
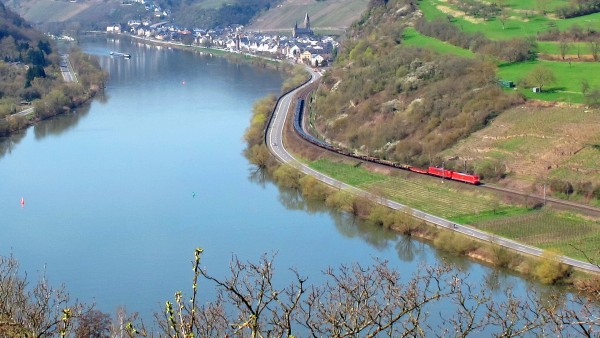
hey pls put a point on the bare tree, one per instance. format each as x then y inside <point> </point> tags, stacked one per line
<point>540,76</point>
<point>42,311</point>
<point>358,301</point>
<point>594,48</point>
<point>564,46</point>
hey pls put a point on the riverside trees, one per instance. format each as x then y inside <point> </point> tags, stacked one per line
<point>257,300</point>
<point>366,301</point>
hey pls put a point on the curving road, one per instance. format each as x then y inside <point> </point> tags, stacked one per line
<point>274,137</point>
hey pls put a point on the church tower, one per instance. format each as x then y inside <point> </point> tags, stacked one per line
<point>307,22</point>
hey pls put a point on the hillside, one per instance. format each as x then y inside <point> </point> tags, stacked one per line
<point>418,87</point>
<point>31,75</point>
<point>325,16</point>
<point>57,16</point>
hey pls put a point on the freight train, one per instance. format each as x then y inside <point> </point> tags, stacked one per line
<point>433,171</point>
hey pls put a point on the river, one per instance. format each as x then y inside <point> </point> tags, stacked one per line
<point>119,193</point>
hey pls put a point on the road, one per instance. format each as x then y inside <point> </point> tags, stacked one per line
<point>66,69</point>
<point>274,137</point>
<point>68,76</point>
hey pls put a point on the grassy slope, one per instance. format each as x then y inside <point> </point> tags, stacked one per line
<point>413,38</point>
<point>330,15</point>
<point>567,87</point>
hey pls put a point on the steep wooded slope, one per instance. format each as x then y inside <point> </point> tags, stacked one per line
<point>403,103</point>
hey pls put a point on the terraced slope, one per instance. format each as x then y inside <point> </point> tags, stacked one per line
<point>330,15</point>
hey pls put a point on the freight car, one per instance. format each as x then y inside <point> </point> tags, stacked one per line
<point>434,171</point>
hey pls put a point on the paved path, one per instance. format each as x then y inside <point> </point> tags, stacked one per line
<point>274,137</point>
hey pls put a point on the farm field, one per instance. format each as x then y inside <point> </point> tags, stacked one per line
<point>561,233</point>
<point>538,143</point>
<point>528,5</point>
<point>574,51</point>
<point>463,204</point>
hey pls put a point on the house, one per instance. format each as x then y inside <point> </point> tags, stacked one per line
<point>113,29</point>
<point>293,51</point>
<point>306,57</point>
<point>317,60</point>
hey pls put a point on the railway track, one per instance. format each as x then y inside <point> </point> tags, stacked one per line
<point>305,93</point>
<point>274,140</point>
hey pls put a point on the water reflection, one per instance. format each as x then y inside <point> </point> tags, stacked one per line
<point>8,144</point>
<point>61,123</point>
<point>347,224</point>
<point>409,249</point>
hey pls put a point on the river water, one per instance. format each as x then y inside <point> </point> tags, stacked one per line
<point>118,194</point>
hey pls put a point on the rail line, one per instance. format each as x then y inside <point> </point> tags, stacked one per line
<point>274,141</point>
<point>301,130</point>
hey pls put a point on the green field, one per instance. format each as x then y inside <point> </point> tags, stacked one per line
<point>438,197</point>
<point>569,77</point>
<point>519,24</point>
<point>413,38</point>
<point>561,233</point>
<point>553,48</point>
<point>529,5</point>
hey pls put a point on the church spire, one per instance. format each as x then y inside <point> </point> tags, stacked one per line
<point>307,22</point>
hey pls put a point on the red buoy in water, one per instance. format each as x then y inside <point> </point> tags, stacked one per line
<point>22,202</point>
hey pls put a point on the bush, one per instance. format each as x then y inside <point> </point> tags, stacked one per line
<point>491,170</point>
<point>341,200</point>
<point>550,270</point>
<point>561,186</point>
<point>287,176</point>
<point>456,244</point>
<point>313,189</point>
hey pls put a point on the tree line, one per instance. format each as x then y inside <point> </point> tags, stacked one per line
<point>578,8</point>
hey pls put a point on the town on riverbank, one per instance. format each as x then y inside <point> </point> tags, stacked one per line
<point>301,45</point>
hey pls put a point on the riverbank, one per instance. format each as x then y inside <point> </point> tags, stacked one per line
<point>231,55</point>
<point>62,98</point>
<point>547,268</point>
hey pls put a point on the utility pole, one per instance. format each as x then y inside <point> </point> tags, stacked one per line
<point>544,193</point>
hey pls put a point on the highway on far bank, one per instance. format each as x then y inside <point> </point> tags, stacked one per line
<point>274,139</point>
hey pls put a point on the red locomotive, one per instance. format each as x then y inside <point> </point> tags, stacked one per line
<point>449,174</point>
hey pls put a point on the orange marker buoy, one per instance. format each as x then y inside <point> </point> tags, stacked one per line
<point>22,202</point>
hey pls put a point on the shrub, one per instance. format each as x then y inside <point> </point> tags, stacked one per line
<point>550,270</point>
